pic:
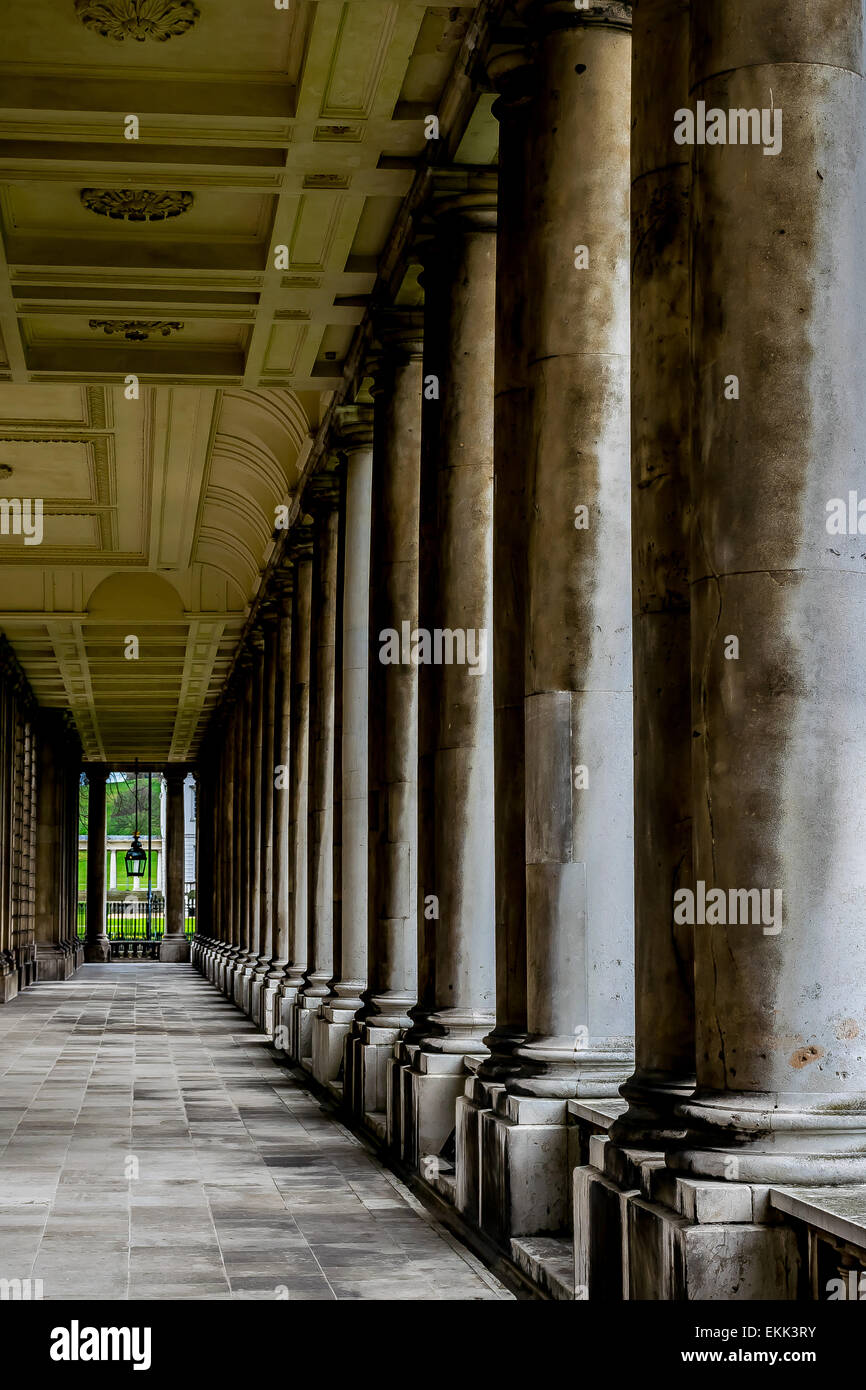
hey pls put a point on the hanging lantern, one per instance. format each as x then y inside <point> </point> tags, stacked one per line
<point>136,858</point>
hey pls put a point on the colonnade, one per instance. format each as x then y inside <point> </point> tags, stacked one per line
<point>174,944</point>
<point>603,457</point>
<point>40,761</point>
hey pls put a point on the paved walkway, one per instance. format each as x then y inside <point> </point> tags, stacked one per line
<point>151,1147</point>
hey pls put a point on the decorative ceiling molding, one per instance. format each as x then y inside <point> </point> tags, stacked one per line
<point>177,490</point>
<point>136,204</point>
<point>137,330</point>
<point>299,130</point>
<point>140,20</point>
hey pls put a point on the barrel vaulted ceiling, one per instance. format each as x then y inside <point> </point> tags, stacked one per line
<point>158,519</point>
<point>258,127</point>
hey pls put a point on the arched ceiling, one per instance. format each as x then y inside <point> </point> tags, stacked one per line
<point>158,520</point>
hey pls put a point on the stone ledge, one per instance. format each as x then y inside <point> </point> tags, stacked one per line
<point>837,1211</point>
<point>596,1112</point>
<point>549,1263</point>
<point>377,1123</point>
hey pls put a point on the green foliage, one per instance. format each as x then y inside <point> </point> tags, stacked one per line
<point>120,808</point>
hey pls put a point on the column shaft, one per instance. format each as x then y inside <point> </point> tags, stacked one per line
<point>778,670</point>
<point>456,608</point>
<point>174,945</point>
<point>661,460</point>
<point>356,426</point>
<point>299,786</point>
<point>393,697</point>
<point>96,947</point>
<point>511,443</point>
<point>324,501</point>
<point>281,783</point>
<point>577,642</point>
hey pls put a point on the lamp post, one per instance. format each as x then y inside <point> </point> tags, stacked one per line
<point>149,860</point>
<point>135,855</point>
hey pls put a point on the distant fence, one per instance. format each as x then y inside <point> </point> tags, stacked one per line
<point>127,919</point>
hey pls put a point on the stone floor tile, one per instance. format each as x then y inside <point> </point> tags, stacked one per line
<point>243,1186</point>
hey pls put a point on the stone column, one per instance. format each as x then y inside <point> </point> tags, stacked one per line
<point>456,688</point>
<point>70,746</point>
<point>323,499</point>
<point>577,638</point>
<point>242,849</point>
<point>253,882</point>
<point>393,709</point>
<point>281,783</point>
<point>344,1001</point>
<point>203,913</point>
<point>266,925</point>
<point>96,944</point>
<point>661,460</point>
<point>53,952</point>
<point>174,945</point>
<point>511,76</point>
<point>778,585</point>
<point>299,789</point>
<point>224,833</point>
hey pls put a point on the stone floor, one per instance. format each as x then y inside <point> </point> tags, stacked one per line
<point>151,1147</point>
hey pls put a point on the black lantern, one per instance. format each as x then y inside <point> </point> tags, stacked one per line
<point>136,858</point>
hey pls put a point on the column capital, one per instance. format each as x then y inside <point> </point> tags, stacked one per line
<point>322,493</point>
<point>300,541</point>
<point>463,199</point>
<point>548,15</point>
<point>174,774</point>
<point>283,586</point>
<point>511,70</point>
<point>399,335</point>
<point>269,615</point>
<point>354,427</point>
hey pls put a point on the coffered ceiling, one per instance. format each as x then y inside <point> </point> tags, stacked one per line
<point>157,520</point>
<point>224,259</point>
<point>258,128</point>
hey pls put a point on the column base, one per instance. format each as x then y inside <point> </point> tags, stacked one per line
<point>174,949</point>
<point>476,1101</point>
<point>242,980</point>
<point>229,971</point>
<point>642,1232</point>
<point>524,1167</point>
<point>257,988</point>
<point>650,1121</point>
<point>373,1048</point>
<point>284,1015</point>
<point>331,1028</point>
<point>766,1137</point>
<point>8,977</point>
<point>55,960</point>
<point>432,1086</point>
<point>98,951</point>
<point>270,1008</point>
<point>301,1018</point>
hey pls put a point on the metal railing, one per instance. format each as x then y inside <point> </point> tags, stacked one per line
<point>127,919</point>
